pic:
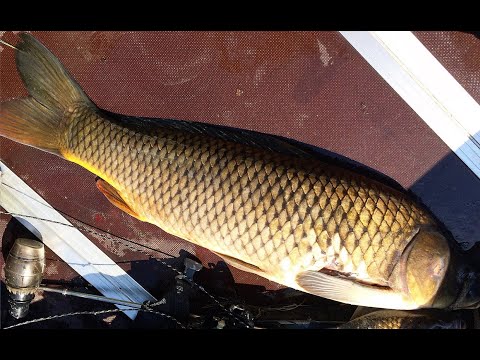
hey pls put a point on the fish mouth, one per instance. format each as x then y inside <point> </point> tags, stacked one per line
<point>469,294</point>
<point>458,324</point>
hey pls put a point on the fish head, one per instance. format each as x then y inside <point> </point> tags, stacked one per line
<point>424,267</point>
<point>427,267</point>
<point>439,275</point>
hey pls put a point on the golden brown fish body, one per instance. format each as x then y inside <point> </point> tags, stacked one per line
<point>295,220</point>
<point>281,214</point>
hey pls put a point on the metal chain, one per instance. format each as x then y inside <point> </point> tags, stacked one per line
<point>52,317</point>
<point>201,288</point>
<point>107,236</point>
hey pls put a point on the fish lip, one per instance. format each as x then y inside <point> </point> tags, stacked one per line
<point>468,281</point>
<point>454,324</point>
<point>460,324</point>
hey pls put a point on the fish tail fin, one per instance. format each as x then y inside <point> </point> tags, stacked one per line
<point>28,122</point>
<point>37,120</point>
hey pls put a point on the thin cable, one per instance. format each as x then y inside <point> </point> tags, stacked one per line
<point>109,236</point>
<point>106,235</point>
<point>78,221</point>
<point>52,317</point>
<point>9,45</point>
<point>36,218</point>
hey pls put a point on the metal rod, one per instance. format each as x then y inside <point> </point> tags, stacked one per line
<point>92,297</point>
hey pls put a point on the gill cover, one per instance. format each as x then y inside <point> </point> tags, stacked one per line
<point>426,267</point>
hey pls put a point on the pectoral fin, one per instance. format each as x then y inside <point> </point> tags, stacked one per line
<point>242,265</point>
<point>115,198</point>
<point>351,292</point>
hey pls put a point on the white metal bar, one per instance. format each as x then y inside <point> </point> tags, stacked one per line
<point>68,243</point>
<point>426,86</point>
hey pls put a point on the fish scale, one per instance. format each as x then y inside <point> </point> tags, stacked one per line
<point>277,212</point>
<point>388,319</point>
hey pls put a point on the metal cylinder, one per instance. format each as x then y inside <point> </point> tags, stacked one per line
<point>19,304</point>
<point>23,274</point>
